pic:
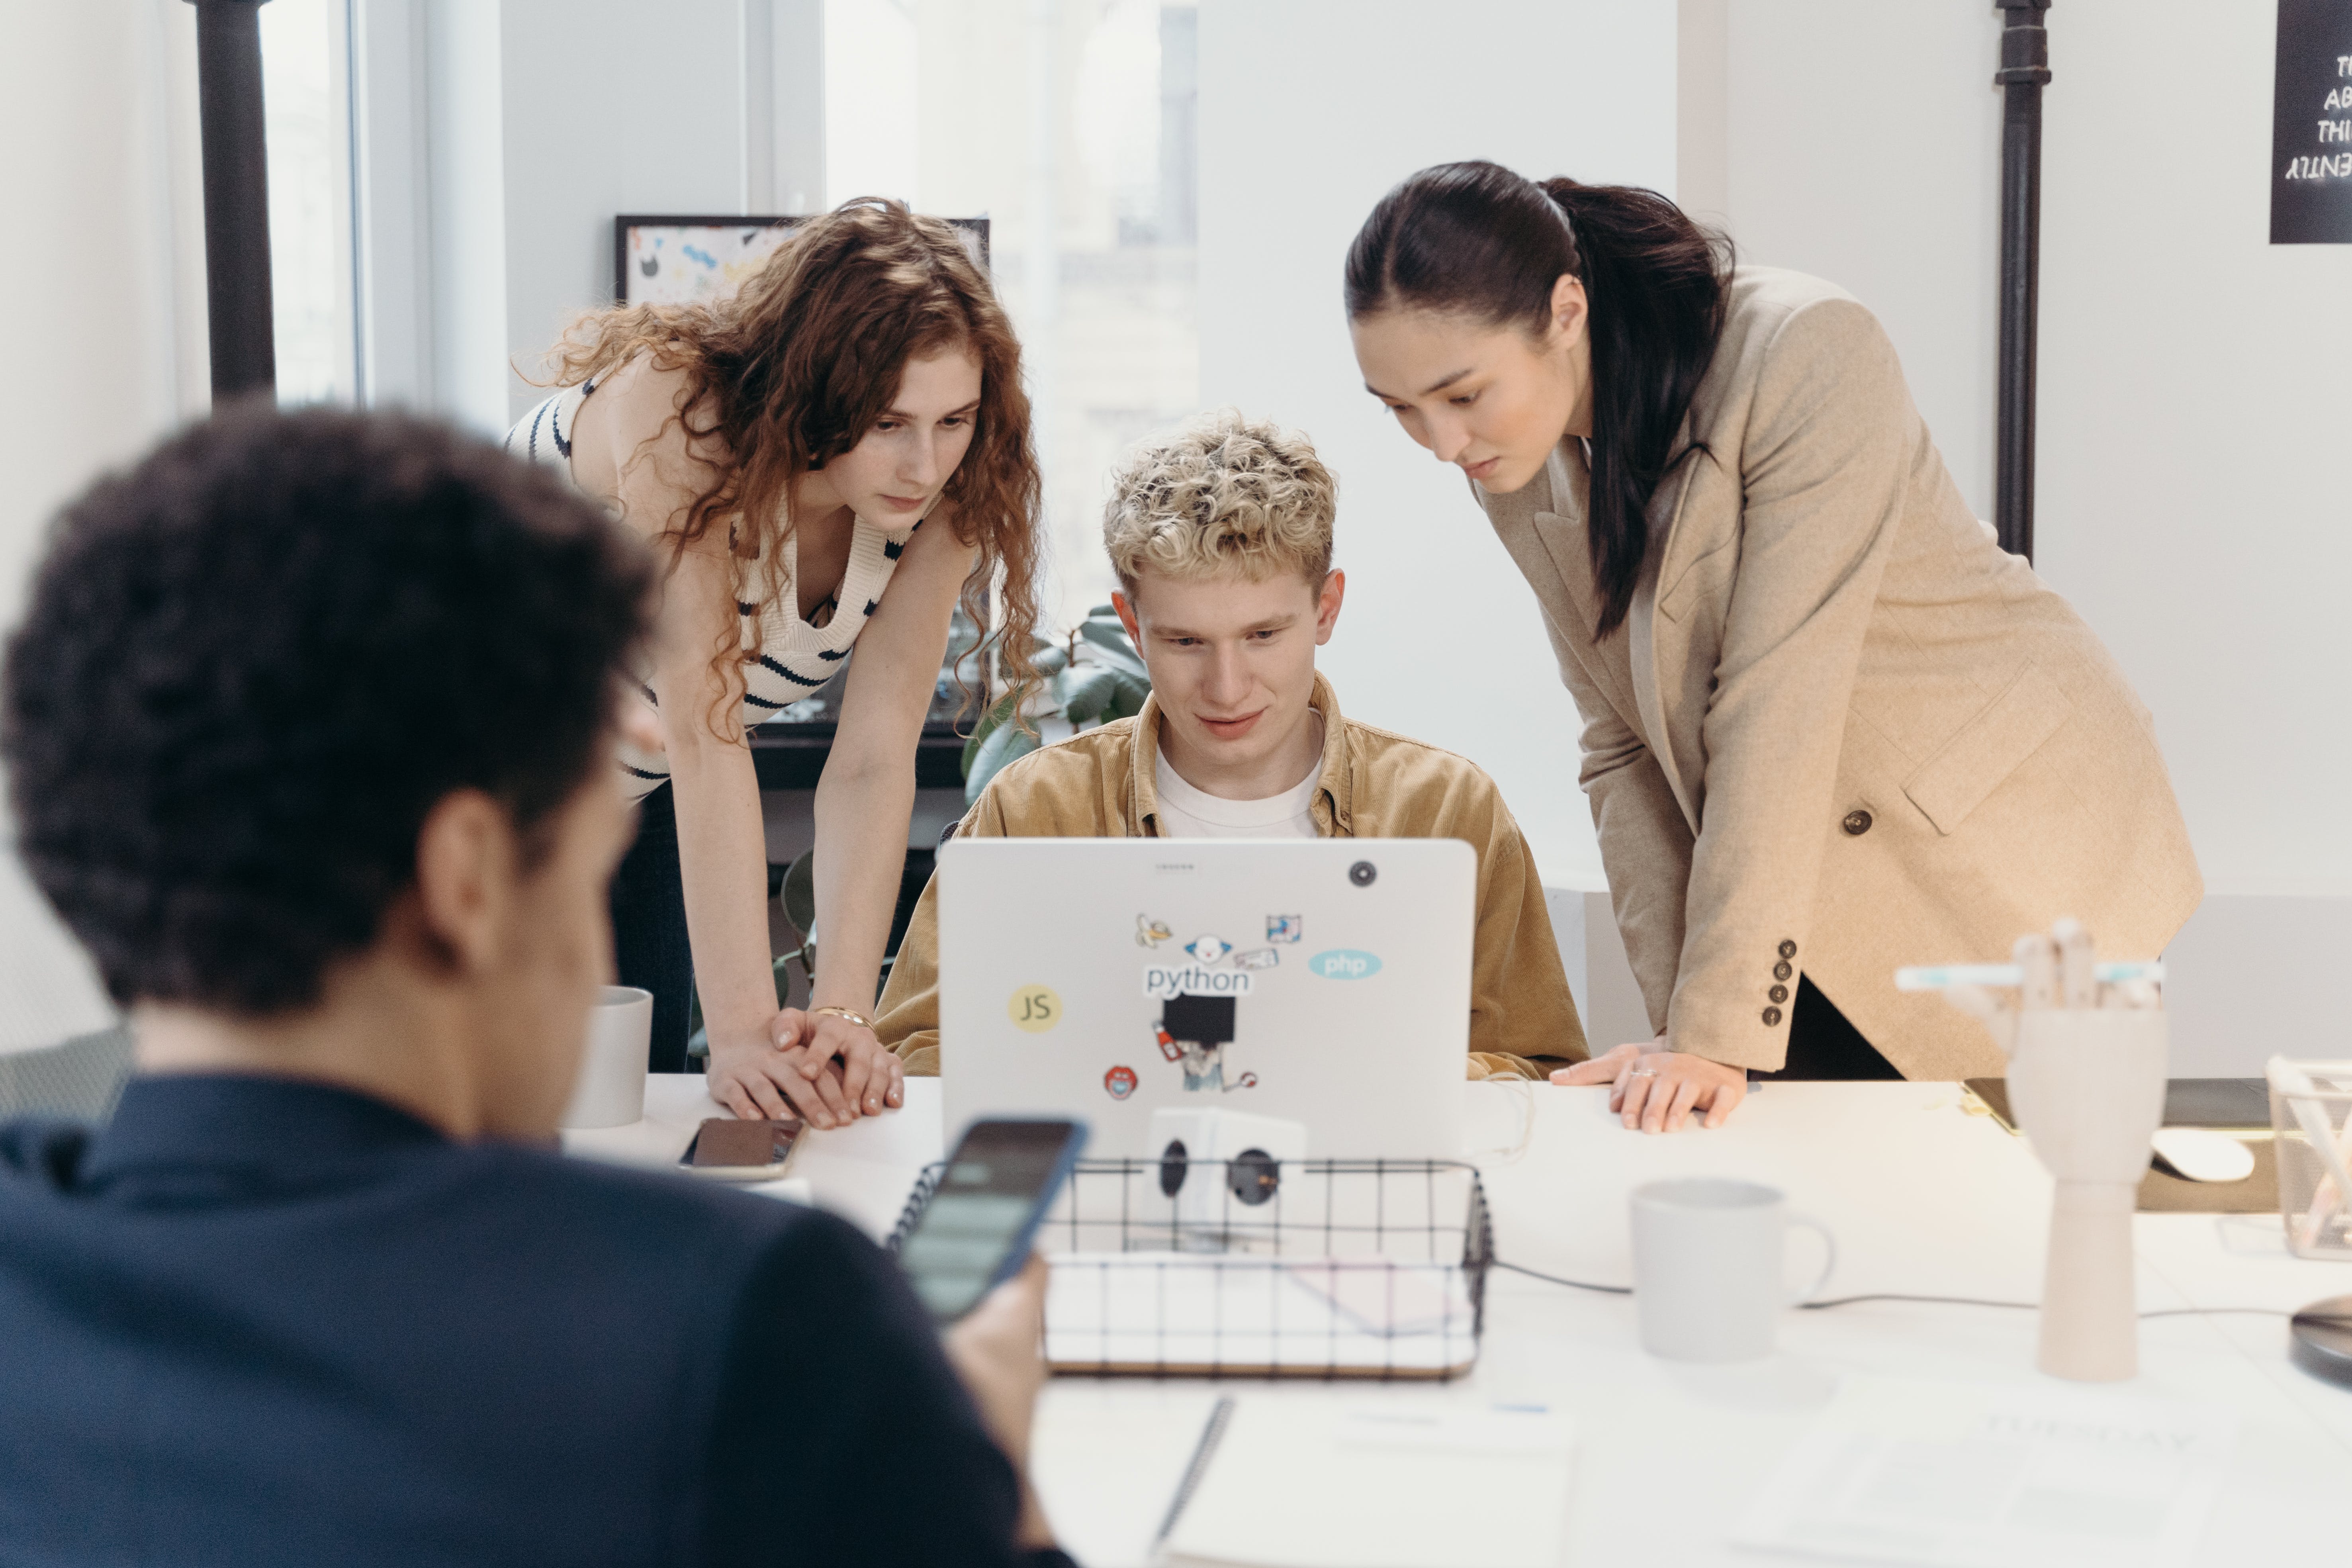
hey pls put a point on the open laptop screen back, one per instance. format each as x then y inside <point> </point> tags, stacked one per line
<point>1326,981</point>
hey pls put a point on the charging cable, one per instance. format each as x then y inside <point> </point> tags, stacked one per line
<point>1890,1296</point>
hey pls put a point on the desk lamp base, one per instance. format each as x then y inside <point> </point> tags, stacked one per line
<point>2321,1338</point>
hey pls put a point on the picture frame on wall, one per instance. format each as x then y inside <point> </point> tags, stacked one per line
<point>666,259</point>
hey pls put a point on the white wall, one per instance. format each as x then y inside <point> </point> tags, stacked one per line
<point>1307,114</point>
<point>499,140</point>
<point>107,347</point>
<point>586,139</point>
<point>2196,418</point>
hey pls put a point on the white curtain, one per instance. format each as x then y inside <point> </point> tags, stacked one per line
<point>106,348</point>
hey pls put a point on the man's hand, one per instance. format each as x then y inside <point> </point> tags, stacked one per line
<point>1655,1088</point>
<point>995,1350</point>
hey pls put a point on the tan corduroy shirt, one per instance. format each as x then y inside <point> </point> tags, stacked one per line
<point>1374,784</point>
<point>1841,730</point>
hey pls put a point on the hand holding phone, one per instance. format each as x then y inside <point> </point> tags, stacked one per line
<point>975,1232</point>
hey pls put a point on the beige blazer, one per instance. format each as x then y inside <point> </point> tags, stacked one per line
<point>1840,730</point>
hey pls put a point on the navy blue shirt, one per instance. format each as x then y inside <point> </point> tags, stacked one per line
<point>254,1321</point>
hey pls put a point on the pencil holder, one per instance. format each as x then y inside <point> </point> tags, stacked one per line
<point>2310,1127</point>
<point>2087,1088</point>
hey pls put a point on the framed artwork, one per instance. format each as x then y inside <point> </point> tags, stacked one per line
<point>669,260</point>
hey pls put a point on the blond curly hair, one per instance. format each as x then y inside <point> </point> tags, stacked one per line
<point>1221,493</point>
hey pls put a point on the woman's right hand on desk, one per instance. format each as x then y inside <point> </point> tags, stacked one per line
<point>1656,1086</point>
<point>760,1078</point>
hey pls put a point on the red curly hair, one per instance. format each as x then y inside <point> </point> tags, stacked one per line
<point>792,369</point>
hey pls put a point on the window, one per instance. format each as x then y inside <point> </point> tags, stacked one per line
<point>1068,123</point>
<point>306,106</point>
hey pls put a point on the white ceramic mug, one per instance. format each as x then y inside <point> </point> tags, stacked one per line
<point>611,1088</point>
<point>1710,1261</point>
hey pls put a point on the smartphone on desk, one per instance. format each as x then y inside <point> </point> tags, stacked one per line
<point>727,1149</point>
<point>975,1232</point>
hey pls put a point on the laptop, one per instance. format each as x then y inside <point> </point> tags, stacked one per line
<point>1323,981</point>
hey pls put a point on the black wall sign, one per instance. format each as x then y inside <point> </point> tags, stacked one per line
<point>2311,124</point>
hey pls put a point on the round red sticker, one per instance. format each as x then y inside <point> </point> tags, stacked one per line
<point>1119,1081</point>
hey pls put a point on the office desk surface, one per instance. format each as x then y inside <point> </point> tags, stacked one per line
<point>1924,1199</point>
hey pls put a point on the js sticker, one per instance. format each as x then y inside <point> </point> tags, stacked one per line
<point>1036,1008</point>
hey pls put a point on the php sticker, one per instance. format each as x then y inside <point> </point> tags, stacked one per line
<point>1344,963</point>
<point>1119,1082</point>
<point>1034,1009</point>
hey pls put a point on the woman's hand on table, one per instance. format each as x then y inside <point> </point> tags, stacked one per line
<point>842,1063</point>
<point>825,1070</point>
<point>1656,1086</point>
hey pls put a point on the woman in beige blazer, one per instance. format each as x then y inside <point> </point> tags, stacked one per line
<point>1829,727</point>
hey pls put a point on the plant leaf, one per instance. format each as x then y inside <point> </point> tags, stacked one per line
<point>990,722</point>
<point>1050,661</point>
<point>1005,744</point>
<point>1087,691</point>
<point>1108,642</point>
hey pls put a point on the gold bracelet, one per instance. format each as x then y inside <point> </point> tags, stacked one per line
<point>860,1019</point>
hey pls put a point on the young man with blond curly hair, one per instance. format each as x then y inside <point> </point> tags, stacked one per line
<point>1221,534</point>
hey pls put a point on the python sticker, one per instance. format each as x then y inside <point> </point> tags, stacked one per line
<point>1034,1009</point>
<point>1163,981</point>
<point>1344,963</point>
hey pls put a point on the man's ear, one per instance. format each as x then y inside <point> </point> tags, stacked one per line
<point>468,859</point>
<point>1126,608</point>
<point>1326,604</point>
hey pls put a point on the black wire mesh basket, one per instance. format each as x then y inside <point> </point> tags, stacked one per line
<point>1260,1267</point>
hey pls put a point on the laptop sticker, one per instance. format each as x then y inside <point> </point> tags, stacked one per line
<point>1343,963</point>
<point>1194,1032</point>
<point>1166,980</point>
<point>1119,1082</point>
<point>1208,948</point>
<point>1034,1008</point>
<point>1285,928</point>
<point>1149,933</point>
<point>1259,958</point>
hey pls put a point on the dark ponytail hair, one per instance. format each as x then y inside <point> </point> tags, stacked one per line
<point>1477,239</point>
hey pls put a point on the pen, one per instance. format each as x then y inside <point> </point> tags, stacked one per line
<point>1938,976</point>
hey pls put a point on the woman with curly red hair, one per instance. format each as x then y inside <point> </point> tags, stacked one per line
<point>829,458</point>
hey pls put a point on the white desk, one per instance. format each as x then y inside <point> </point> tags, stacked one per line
<point>1924,1199</point>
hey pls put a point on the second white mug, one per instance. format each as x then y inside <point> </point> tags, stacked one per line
<point>611,1088</point>
<point>1710,1261</point>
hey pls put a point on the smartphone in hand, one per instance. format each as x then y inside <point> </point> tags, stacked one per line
<point>975,1232</point>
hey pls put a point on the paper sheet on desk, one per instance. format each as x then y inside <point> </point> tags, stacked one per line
<point>1305,1484</point>
<point>2007,1475</point>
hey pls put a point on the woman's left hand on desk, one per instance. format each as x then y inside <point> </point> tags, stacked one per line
<point>1655,1088</point>
<point>872,1077</point>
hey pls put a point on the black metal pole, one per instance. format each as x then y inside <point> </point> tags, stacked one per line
<point>2024,68</point>
<point>236,196</point>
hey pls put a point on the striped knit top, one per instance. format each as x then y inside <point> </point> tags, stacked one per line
<point>795,658</point>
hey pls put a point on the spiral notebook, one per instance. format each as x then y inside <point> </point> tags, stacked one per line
<point>1314,1483</point>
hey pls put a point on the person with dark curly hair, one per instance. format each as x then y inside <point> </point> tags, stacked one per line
<point>308,729</point>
